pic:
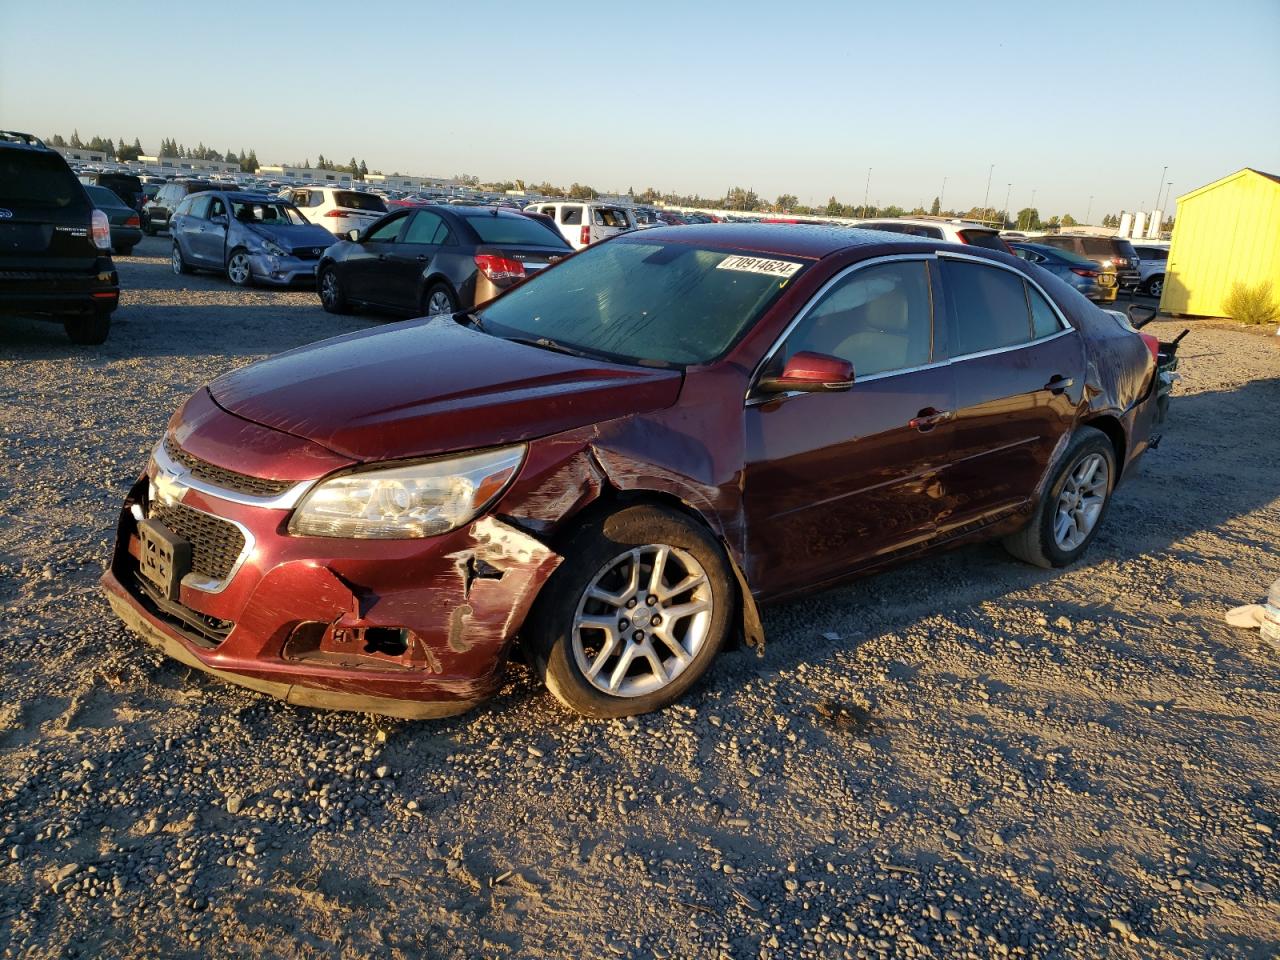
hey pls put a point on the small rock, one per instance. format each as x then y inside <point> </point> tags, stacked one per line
<point>935,912</point>
<point>952,915</point>
<point>1121,927</point>
<point>234,803</point>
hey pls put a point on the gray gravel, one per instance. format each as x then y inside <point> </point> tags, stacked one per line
<point>962,757</point>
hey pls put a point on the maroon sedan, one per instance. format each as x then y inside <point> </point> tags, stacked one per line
<point>614,463</point>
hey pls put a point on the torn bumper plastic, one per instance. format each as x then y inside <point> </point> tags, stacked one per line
<point>408,628</point>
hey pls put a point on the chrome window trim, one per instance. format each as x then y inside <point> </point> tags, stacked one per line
<point>813,302</point>
<point>284,501</point>
<point>1066,327</point>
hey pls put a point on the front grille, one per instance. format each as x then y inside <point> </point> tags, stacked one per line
<point>221,477</point>
<point>308,253</point>
<point>216,545</point>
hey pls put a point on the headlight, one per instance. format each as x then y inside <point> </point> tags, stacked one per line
<point>274,249</point>
<point>420,500</point>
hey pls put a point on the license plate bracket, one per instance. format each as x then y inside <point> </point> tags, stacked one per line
<point>164,558</point>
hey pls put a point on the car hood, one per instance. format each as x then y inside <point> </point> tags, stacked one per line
<point>428,387</point>
<point>290,235</point>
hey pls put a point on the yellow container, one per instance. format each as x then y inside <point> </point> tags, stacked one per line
<point>1226,232</point>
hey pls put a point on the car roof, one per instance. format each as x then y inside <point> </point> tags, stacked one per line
<point>810,240</point>
<point>941,222</point>
<point>23,141</point>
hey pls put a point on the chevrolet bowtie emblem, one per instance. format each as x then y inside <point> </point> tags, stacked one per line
<point>166,488</point>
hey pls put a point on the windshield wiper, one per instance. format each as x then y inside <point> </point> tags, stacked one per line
<point>546,343</point>
<point>470,318</point>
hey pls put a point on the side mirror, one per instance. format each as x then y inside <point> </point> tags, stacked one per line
<point>1140,316</point>
<point>809,372</point>
<point>353,235</point>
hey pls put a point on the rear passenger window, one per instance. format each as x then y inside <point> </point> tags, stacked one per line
<point>1043,320</point>
<point>571,215</point>
<point>427,227</point>
<point>1097,248</point>
<point>989,306</point>
<point>878,318</point>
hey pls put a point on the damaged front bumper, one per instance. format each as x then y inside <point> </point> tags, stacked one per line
<point>407,628</point>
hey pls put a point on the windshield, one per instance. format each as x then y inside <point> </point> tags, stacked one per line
<point>668,304</point>
<point>267,212</point>
<point>354,200</point>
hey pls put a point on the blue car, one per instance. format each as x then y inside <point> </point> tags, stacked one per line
<point>1096,282</point>
<point>251,237</point>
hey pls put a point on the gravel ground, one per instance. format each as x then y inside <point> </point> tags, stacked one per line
<point>962,757</point>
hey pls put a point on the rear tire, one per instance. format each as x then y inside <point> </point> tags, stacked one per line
<point>1073,505</point>
<point>330,289</point>
<point>88,330</point>
<point>1154,286</point>
<point>178,262</point>
<point>675,635</point>
<point>439,301</point>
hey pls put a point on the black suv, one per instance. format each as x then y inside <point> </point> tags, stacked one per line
<point>1115,252</point>
<point>157,211</point>
<point>126,186</point>
<point>55,247</point>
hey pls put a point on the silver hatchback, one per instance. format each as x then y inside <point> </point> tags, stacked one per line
<point>251,237</point>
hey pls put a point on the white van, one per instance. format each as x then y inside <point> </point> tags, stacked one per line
<point>337,209</point>
<point>584,222</point>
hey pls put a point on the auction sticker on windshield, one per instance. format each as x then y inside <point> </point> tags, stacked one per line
<point>774,268</point>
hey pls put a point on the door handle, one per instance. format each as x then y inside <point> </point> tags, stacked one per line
<point>1058,384</point>
<point>930,417</point>
<point>422,258</point>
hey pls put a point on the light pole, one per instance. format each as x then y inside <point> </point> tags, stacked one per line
<point>1088,212</point>
<point>866,192</point>
<point>1004,214</point>
<point>942,196</point>
<point>987,196</point>
<point>1160,185</point>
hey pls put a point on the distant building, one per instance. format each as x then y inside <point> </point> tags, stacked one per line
<point>80,155</point>
<point>1226,232</point>
<point>184,165</point>
<point>286,171</point>
<point>400,181</point>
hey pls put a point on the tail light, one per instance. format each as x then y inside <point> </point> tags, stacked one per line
<point>336,213</point>
<point>1084,272</point>
<point>499,268</point>
<point>133,221</point>
<point>100,229</point>
<point>586,235</point>
<point>1153,344</point>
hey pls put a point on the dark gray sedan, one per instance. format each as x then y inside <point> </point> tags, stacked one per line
<point>1091,278</point>
<point>430,259</point>
<point>251,237</point>
<point>126,226</point>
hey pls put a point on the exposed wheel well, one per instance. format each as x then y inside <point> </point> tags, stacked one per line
<point>1115,433</point>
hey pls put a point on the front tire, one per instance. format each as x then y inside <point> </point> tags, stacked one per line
<point>635,615</point>
<point>1072,507</point>
<point>332,297</point>
<point>239,272</point>
<point>88,330</point>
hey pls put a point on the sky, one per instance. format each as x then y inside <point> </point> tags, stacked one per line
<point>1070,101</point>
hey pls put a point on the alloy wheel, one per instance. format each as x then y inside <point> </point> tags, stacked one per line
<point>642,620</point>
<point>1156,287</point>
<point>238,269</point>
<point>439,303</point>
<point>329,288</point>
<point>175,258</point>
<point>1080,504</point>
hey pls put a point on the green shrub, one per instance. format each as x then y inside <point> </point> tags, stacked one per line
<point>1253,305</point>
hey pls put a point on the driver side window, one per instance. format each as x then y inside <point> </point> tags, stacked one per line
<point>879,318</point>
<point>388,232</point>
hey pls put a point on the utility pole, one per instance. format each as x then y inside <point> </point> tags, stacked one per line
<point>1004,214</point>
<point>1088,212</point>
<point>1160,186</point>
<point>942,196</point>
<point>987,196</point>
<point>866,192</point>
